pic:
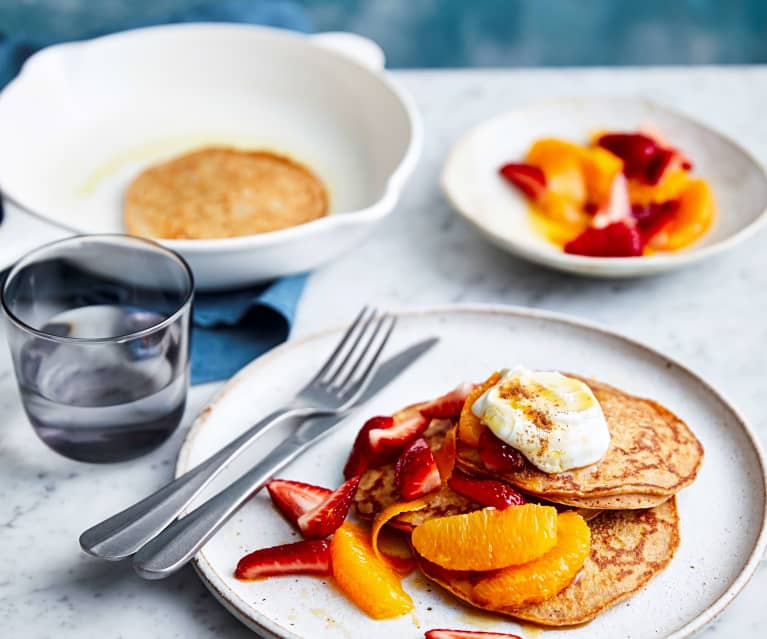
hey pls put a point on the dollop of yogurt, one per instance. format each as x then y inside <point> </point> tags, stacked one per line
<point>553,420</point>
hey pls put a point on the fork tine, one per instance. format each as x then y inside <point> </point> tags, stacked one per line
<point>359,338</point>
<point>340,346</point>
<point>359,354</point>
<point>359,385</point>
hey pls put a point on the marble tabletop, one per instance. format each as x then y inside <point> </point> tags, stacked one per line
<point>710,316</point>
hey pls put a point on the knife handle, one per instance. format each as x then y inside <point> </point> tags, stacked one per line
<point>124,533</point>
<point>180,541</point>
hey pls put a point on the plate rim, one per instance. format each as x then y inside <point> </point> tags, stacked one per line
<point>213,581</point>
<point>600,266</point>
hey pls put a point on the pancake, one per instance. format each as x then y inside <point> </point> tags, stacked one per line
<point>628,548</point>
<point>652,455</point>
<point>613,502</point>
<point>221,192</point>
<point>377,490</point>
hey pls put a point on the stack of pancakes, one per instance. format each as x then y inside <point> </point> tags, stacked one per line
<point>628,499</point>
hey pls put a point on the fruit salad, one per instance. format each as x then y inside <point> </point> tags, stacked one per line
<point>624,194</point>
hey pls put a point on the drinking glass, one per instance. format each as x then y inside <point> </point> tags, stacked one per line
<point>98,327</point>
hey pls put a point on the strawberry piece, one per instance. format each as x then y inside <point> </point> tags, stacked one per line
<point>591,242</point>
<point>619,239</point>
<point>658,165</point>
<point>300,558</point>
<point>386,443</point>
<point>294,498</point>
<point>362,457</point>
<point>444,633</point>
<point>330,513</point>
<point>529,179</point>
<point>680,160</point>
<point>449,405</point>
<point>498,456</point>
<point>646,155</point>
<point>624,240</point>
<point>653,218</point>
<point>487,492</point>
<point>635,149</point>
<point>416,472</point>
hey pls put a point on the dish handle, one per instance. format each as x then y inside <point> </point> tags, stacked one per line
<point>360,49</point>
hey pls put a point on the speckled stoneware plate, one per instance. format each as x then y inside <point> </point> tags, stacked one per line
<point>722,513</point>
<point>471,182</point>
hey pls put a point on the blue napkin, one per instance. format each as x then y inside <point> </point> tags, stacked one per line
<point>233,327</point>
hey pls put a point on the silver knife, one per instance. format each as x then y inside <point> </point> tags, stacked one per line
<point>180,541</point>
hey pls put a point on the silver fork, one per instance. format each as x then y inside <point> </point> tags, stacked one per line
<point>333,390</point>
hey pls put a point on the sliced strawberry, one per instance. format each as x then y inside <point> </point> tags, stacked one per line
<point>658,165</point>
<point>653,218</point>
<point>635,149</point>
<point>416,471</point>
<point>449,405</point>
<point>529,179</point>
<point>619,239</point>
<point>330,513</point>
<point>294,498</point>
<point>498,456</point>
<point>362,457</point>
<point>444,633</point>
<point>646,155</point>
<point>487,492</point>
<point>300,558</point>
<point>624,240</point>
<point>679,160</point>
<point>387,443</point>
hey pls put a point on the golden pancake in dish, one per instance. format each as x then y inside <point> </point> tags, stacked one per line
<point>628,548</point>
<point>652,455</point>
<point>219,192</point>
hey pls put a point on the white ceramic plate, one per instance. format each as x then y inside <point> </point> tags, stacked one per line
<point>82,119</point>
<point>471,182</point>
<point>724,509</point>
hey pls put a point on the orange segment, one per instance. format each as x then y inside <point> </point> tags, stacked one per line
<point>562,210</point>
<point>544,577</point>
<point>669,188</point>
<point>445,455</point>
<point>469,426</point>
<point>369,582</point>
<point>579,173</point>
<point>599,168</point>
<point>389,513</point>
<point>555,231</point>
<point>395,551</point>
<point>553,153</point>
<point>487,539</point>
<point>564,177</point>
<point>695,215</point>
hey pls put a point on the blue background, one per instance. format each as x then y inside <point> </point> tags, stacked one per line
<point>454,33</point>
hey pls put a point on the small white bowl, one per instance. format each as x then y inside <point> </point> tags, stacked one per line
<point>82,119</point>
<point>471,182</point>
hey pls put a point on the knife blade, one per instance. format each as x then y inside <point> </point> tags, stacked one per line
<point>180,541</point>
